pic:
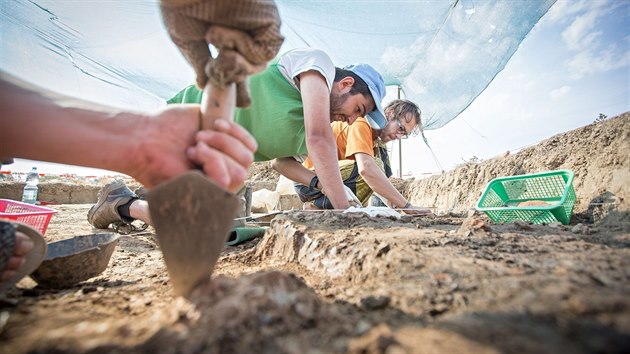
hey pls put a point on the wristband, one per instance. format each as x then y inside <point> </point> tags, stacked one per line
<point>313,184</point>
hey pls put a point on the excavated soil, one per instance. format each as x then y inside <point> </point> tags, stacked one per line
<point>327,282</point>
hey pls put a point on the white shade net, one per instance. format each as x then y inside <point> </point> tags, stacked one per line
<point>442,54</point>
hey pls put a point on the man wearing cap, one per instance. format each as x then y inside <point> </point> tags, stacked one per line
<point>364,161</point>
<point>293,102</point>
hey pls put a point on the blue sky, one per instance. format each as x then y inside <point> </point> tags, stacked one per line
<point>572,66</point>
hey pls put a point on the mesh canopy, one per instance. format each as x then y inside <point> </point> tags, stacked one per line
<point>442,54</point>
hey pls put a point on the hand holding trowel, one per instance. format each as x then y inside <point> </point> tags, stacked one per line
<point>192,215</point>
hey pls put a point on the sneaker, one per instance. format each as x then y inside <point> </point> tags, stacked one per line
<point>110,197</point>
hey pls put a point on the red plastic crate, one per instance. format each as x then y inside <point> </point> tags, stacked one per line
<point>33,215</point>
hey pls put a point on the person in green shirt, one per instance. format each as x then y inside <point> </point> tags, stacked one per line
<point>293,102</point>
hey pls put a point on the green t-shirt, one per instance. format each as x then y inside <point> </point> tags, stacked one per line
<point>275,118</point>
<point>190,94</point>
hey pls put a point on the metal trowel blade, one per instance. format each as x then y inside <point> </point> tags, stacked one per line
<point>192,217</point>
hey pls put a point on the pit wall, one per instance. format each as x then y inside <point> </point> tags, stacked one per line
<point>53,192</point>
<point>598,154</point>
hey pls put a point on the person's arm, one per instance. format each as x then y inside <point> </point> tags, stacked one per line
<point>320,141</point>
<point>152,148</point>
<point>293,170</point>
<point>376,179</point>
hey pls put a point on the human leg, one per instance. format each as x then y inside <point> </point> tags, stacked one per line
<point>117,204</point>
<point>312,198</point>
<point>315,199</point>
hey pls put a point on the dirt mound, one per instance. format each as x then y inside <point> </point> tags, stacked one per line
<point>597,154</point>
<point>262,172</point>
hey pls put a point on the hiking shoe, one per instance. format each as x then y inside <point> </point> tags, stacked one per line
<point>110,197</point>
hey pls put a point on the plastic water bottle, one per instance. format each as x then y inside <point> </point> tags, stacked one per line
<point>30,189</point>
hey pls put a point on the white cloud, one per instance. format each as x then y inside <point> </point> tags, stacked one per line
<point>578,35</point>
<point>560,92</point>
<point>589,62</point>
<point>563,10</point>
<point>584,37</point>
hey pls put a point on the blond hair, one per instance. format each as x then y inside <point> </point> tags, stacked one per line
<point>399,108</point>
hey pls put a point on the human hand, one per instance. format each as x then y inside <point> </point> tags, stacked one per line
<point>170,144</point>
<point>224,153</point>
<point>417,211</point>
<point>351,197</point>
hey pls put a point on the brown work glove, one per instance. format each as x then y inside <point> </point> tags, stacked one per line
<point>246,33</point>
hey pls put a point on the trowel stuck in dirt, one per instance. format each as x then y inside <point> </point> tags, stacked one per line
<point>193,216</point>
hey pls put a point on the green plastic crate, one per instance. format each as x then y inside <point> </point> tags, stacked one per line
<point>502,195</point>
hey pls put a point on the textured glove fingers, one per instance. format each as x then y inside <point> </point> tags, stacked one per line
<point>229,67</point>
<point>240,55</point>
<point>257,47</point>
<point>246,33</point>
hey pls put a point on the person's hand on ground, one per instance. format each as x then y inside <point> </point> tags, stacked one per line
<point>417,211</point>
<point>23,245</point>
<point>351,197</point>
<point>170,144</point>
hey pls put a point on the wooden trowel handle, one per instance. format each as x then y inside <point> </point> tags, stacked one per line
<point>217,103</point>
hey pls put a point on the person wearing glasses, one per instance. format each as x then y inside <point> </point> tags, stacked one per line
<point>363,160</point>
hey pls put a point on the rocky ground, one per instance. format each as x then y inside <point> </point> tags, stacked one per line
<point>327,282</point>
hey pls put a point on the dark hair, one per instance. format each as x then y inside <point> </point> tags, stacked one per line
<point>359,85</point>
<point>399,109</point>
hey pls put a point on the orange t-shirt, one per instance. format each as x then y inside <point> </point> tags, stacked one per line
<point>351,139</point>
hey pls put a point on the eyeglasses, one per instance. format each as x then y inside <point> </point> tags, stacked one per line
<point>402,130</point>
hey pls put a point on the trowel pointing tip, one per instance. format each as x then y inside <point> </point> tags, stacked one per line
<point>192,217</point>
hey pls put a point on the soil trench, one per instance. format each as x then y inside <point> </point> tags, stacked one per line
<point>329,282</point>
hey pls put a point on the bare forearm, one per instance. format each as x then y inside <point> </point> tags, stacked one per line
<point>376,179</point>
<point>320,141</point>
<point>50,127</point>
<point>151,147</point>
<point>327,168</point>
<point>293,170</point>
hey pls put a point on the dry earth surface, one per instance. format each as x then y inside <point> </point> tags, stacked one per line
<point>326,282</point>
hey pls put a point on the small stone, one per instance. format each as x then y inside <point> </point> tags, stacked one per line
<point>382,249</point>
<point>361,328</point>
<point>580,229</point>
<point>523,225</point>
<point>371,303</point>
